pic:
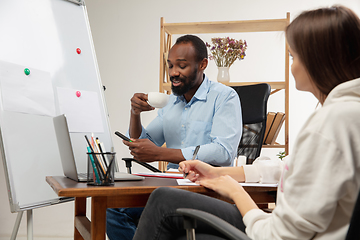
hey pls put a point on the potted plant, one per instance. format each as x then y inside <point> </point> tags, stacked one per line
<point>225,51</point>
<point>281,155</point>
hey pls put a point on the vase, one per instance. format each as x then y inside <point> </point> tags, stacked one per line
<point>223,74</point>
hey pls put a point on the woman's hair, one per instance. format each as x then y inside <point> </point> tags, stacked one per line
<point>327,41</point>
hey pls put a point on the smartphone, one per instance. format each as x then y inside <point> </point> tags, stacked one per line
<point>123,136</point>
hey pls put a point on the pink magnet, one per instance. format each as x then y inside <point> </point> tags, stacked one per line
<point>78,50</point>
<point>78,93</point>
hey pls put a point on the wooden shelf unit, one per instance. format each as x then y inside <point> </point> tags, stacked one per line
<point>266,25</point>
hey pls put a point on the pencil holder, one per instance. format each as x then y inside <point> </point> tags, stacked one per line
<point>100,170</point>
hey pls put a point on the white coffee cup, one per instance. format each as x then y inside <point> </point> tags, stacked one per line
<point>158,99</point>
<point>240,161</point>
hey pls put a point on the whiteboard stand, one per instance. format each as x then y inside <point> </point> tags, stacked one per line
<point>16,226</point>
<point>29,217</point>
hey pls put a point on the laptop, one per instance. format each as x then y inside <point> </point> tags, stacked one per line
<point>67,155</point>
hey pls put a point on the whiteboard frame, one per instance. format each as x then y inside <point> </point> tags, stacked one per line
<point>15,206</point>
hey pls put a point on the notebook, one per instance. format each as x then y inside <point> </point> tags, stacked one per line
<point>67,154</point>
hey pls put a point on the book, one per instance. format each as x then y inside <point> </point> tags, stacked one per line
<point>275,128</point>
<point>269,121</point>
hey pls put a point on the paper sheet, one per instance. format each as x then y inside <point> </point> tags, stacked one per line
<point>32,94</point>
<point>172,170</point>
<point>82,112</point>
<point>188,182</point>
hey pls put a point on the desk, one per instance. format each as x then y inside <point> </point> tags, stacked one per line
<point>125,194</point>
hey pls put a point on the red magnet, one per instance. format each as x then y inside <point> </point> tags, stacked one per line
<point>78,93</point>
<point>78,50</point>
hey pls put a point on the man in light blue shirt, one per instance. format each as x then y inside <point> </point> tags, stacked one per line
<point>199,112</point>
<point>210,119</point>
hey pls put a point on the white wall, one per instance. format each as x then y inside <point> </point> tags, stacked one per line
<point>126,36</point>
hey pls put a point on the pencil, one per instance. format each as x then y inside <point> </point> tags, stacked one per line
<point>195,152</point>
<point>193,158</point>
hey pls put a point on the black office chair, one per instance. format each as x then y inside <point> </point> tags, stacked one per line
<point>253,100</point>
<point>354,230</point>
<point>231,232</point>
<point>223,227</point>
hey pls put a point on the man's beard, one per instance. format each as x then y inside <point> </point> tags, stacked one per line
<point>188,83</point>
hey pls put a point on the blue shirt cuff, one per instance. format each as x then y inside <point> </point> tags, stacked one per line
<point>188,152</point>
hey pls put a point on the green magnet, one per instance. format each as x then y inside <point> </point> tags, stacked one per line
<point>27,71</point>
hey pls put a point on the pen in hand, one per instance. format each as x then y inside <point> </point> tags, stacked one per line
<point>193,158</point>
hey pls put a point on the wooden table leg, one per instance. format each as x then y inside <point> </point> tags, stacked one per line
<point>98,218</point>
<point>80,211</point>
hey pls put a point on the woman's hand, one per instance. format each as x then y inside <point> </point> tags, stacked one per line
<point>195,170</point>
<point>224,185</point>
<point>198,170</point>
<point>231,189</point>
<point>223,180</point>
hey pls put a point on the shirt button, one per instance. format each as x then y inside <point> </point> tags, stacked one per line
<point>182,142</point>
<point>182,125</point>
<point>186,108</point>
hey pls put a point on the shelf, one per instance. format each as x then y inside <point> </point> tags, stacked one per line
<point>274,85</point>
<point>226,26</point>
<point>274,146</point>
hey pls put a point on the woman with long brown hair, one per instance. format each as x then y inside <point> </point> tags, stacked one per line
<point>320,181</point>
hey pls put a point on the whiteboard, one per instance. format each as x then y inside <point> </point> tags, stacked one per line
<point>44,37</point>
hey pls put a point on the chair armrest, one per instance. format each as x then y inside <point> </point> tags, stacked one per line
<point>148,166</point>
<point>215,222</point>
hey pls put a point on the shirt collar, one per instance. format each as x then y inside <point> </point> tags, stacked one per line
<point>200,94</point>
